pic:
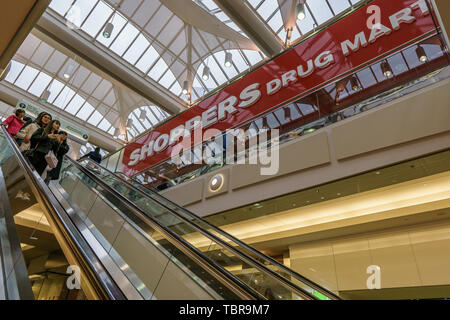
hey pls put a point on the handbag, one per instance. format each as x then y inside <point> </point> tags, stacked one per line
<point>51,159</point>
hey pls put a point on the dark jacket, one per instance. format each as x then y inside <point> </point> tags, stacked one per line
<point>62,150</point>
<point>97,157</point>
<point>43,143</point>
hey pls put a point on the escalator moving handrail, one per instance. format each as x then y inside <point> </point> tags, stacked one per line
<point>176,239</point>
<point>108,288</point>
<point>257,264</point>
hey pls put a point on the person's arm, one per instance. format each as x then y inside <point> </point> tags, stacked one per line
<point>38,136</point>
<point>63,149</point>
<point>8,121</point>
<point>28,131</point>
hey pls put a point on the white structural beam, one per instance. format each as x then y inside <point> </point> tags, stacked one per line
<point>247,21</point>
<point>55,28</point>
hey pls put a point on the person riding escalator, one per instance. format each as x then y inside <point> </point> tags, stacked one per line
<point>43,141</point>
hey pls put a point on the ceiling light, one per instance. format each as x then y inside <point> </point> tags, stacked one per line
<point>216,183</point>
<point>116,133</point>
<point>45,96</point>
<point>354,83</point>
<point>205,75</point>
<point>108,30</point>
<point>228,59</point>
<point>287,114</point>
<point>129,124</point>
<point>301,15</point>
<point>142,116</point>
<point>421,55</point>
<point>69,70</point>
<point>185,87</point>
<point>386,68</point>
<point>265,125</point>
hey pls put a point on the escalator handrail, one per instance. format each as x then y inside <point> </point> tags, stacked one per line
<point>106,287</point>
<point>257,264</point>
<point>272,261</point>
<point>174,238</point>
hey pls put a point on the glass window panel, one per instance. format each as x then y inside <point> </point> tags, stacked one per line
<point>95,118</point>
<point>97,19</point>
<point>61,6</point>
<point>158,69</point>
<point>79,11</point>
<point>75,104</point>
<point>104,125</point>
<point>267,8</point>
<point>167,80</point>
<point>26,77</point>
<point>136,49</point>
<point>176,88</point>
<point>55,88</point>
<point>147,59</point>
<point>125,38</point>
<point>64,97</point>
<point>338,5</point>
<point>320,10</point>
<point>85,111</point>
<point>38,86</point>
<point>16,68</point>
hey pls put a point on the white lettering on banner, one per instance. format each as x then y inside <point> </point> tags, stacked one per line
<point>422,5</point>
<point>360,41</point>
<point>401,16</point>
<point>310,70</point>
<point>273,86</point>
<point>176,133</point>
<point>252,93</point>
<point>227,106</point>
<point>289,77</point>
<point>161,143</point>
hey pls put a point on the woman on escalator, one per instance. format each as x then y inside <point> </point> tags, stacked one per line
<point>43,141</point>
<point>27,132</point>
<point>63,148</point>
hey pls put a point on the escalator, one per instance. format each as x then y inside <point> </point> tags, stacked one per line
<point>131,243</point>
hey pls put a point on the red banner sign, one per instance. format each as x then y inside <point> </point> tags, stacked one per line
<point>370,32</point>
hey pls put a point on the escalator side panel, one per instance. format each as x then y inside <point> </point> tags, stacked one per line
<point>14,282</point>
<point>148,265</point>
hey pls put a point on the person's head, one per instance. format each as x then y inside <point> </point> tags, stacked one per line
<point>97,150</point>
<point>52,127</point>
<point>63,134</point>
<point>43,119</point>
<point>20,113</point>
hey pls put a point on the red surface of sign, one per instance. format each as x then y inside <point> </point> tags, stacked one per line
<point>409,25</point>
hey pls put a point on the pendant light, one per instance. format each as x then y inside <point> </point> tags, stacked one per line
<point>45,95</point>
<point>116,133</point>
<point>421,55</point>
<point>69,70</point>
<point>300,9</point>
<point>129,124</point>
<point>185,87</point>
<point>142,116</point>
<point>205,75</point>
<point>228,59</point>
<point>354,83</point>
<point>386,68</point>
<point>107,32</point>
